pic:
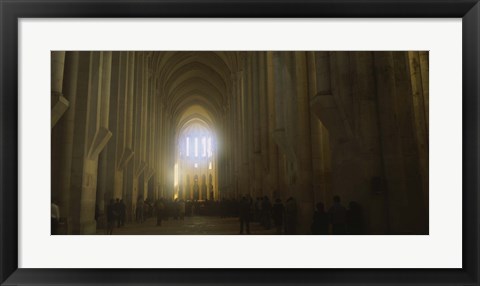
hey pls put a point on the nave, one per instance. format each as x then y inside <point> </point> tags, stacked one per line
<point>154,127</point>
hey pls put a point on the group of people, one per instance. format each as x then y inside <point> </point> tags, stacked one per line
<point>284,217</point>
<point>338,218</point>
<point>116,214</point>
<point>165,208</point>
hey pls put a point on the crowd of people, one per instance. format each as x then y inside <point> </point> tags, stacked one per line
<point>162,209</point>
<point>282,217</point>
<point>338,220</point>
<point>268,215</point>
<point>116,214</point>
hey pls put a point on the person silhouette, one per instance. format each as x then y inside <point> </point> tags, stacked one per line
<point>244,214</point>
<point>278,212</point>
<point>111,216</point>
<point>354,218</point>
<point>291,216</point>
<point>266,212</point>
<point>338,217</point>
<point>320,220</point>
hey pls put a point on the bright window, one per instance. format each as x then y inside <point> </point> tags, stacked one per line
<point>196,147</point>
<point>204,145</point>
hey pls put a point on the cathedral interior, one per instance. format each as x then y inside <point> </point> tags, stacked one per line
<point>196,134</point>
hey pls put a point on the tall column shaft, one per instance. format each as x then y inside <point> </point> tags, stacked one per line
<point>59,103</point>
<point>304,188</point>
<point>273,190</point>
<point>67,128</point>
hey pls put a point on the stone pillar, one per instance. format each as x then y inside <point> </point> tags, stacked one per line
<point>108,158</point>
<point>256,143</point>
<point>420,112</point>
<point>125,148</point>
<point>91,114</point>
<point>263,122</point>
<point>302,144</point>
<point>248,172</point>
<point>240,147</point>
<point>273,190</point>
<point>410,144</point>
<point>398,214</point>
<point>119,153</point>
<point>129,102</point>
<point>67,127</point>
<point>103,195</point>
<point>128,194</point>
<point>314,131</point>
<point>139,127</point>
<point>369,143</point>
<point>235,135</point>
<point>59,103</point>
<point>318,133</point>
<point>342,89</point>
<point>243,183</point>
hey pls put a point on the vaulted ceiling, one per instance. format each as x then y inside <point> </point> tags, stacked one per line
<point>195,85</point>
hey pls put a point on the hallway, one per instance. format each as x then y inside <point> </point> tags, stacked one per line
<point>336,129</point>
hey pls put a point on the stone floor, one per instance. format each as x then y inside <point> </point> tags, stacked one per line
<point>197,225</point>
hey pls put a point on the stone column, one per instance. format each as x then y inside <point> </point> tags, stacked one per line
<point>263,122</point>
<point>273,190</point>
<point>59,103</point>
<point>257,148</point>
<point>322,88</point>
<point>91,114</point>
<point>67,129</point>
<point>249,128</point>
<point>315,127</point>
<point>410,144</point>
<point>103,195</point>
<point>276,68</point>
<point>303,182</point>
<point>126,153</point>
<point>236,157</point>
<point>243,186</point>
<point>108,159</point>
<point>398,213</point>
<point>420,113</point>
<point>369,144</point>
<point>120,154</point>
<point>138,130</point>
<point>247,172</point>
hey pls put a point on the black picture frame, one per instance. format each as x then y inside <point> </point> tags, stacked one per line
<point>11,11</point>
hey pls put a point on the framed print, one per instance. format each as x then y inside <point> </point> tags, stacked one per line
<point>338,138</point>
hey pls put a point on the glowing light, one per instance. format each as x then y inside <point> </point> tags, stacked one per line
<point>196,147</point>
<point>210,165</point>
<point>209,146</point>
<point>175,175</point>
<point>195,165</point>
<point>204,144</point>
<point>188,146</point>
